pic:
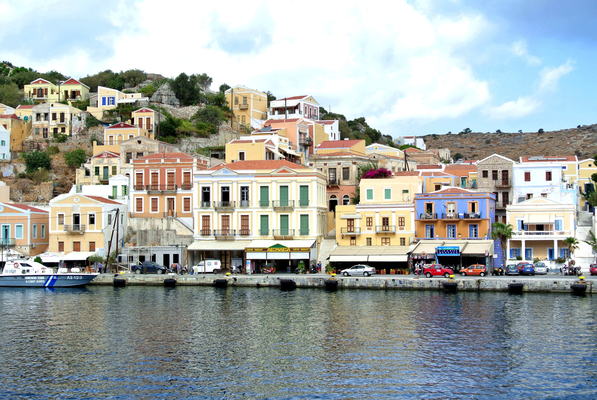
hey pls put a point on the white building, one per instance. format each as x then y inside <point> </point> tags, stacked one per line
<point>4,143</point>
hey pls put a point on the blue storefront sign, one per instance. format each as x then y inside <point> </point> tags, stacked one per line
<point>447,251</point>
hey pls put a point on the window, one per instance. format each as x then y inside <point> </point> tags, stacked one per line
<point>304,225</point>
<point>385,241</point>
<point>241,156</point>
<point>369,194</point>
<point>244,225</point>
<point>350,225</point>
<point>558,225</point>
<point>385,223</point>
<point>53,116</point>
<point>353,241</point>
<point>528,254</point>
<point>529,196</point>
<point>451,208</point>
<point>264,225</point>
<point>494,175</point>
<point>19,231</point>
<point>91,219</point>
<point>401,221</point>
<point>543,194</point>
<point>438,187</point>
<point>368,241</point>
<point>97,171</point>
<point>186,204</point>
<point>125,190</point>
<point>346,173</point>
<point>264,196</point>
<point>451,231</point>
<point>139,204</point>
<point>548,175</point>
<point>3,143</point>
<point>345,200</point>
<point>109,219</point>
<point>402,241</point>
<point>429,208</point>
<point>565,253</point>
<point>429,231</point>
<point>34,231</point>
<point>527,176</point>
<point>244,196</point>
<point>473,207</point>
<point>154,205</point>
<point>369,223</point>
<point>43,231</point>
<point>205,225</point>
<point>91,246</point>
<point>61,247</point>
<point>332,175</point>
<point>387,194</point>
<point>514,253</point>
<point>473,231</point>
<point>76,246</point>
<point>114,170</point>
<point>60,219</point>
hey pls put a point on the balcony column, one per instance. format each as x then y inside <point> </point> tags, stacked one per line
<point>507,252</point>
<point>522,248</point>
<point>555,248</point>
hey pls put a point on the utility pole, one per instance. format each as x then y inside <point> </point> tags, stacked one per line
<point>232,107</point>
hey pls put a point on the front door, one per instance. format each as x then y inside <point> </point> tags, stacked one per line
<point>170,206</point>
<point>76,221</point>
<point>5,234</point>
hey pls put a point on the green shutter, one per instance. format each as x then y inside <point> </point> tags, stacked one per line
<point>106,175</point>
<point>283,196</point>
<point>304,196</point>
<point>283,224</point>
<point>263,196</point>
<point>369,194</point>
<point>388,194</point>
<point>114,191</point>
<point>304,225</point>
<point>264,226</point>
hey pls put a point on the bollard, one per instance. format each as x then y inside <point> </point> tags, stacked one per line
<point>287,284</point>
<point>220,283</point>
<point>515,288</point>
<point>331,285</point>
<point>169,282</point>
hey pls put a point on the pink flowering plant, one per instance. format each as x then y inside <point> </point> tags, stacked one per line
<point>377,173</point>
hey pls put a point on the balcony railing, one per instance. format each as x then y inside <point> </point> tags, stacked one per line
<point>350,231</point>
<point>186,186</point>
<point>502,183</point>
<point>263,203</point>
<point>305,142</point>
<point>224,233</point>
<point>263,232</point>
<point>428,216</point>
<point>7,241</point>
<point>303,203</point>
<point>543,233</point>
<point>283,204</point>
<point>77,228</point>
<point>386,228</point>
<point>161,188</point>
<point>170,214</point>
<point>283,233</point>
<point>224,205</point>
<point>244,203</point>
<point>303,232</point>
<point>205,204</point>
<point>244,232</point>
<point>500,205</point>
<point>205,232</point>
<point>243,106</point>
<point>332,181</point>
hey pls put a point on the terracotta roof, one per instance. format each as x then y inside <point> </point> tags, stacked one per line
<point>338,154</point>
<point>326,121</point>
<point>121,125</point>
<point>293,98</point>
<point>412,150</point>
<point>406,173</point>
<point>429,166</point>
<point>73,81</point>
<point>337,144</point>
<point>4,116</point>
<point>39,80</point>
<point>29,208</point>
<point>280,121</point>
<point>156,156</point>
<point>25,106</point>
<point>460,169</point>
<point>103,199</point>
<point>457,190</point>
<point>144,109</point>
<point>260,164</point>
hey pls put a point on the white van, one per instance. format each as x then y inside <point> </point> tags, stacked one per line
<point>211,266</point>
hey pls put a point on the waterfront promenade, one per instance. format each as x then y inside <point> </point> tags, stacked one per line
<point>551,283</point>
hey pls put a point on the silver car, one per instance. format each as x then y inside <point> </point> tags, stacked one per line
<point>358,270</point>
<point>540,268</point>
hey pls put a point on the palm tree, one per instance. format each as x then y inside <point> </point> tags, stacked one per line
<point>592,241</point>
<point>503,233</point>
<point>572,246</point>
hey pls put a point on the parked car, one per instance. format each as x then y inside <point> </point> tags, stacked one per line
<point>475,269</point>
<point>593,269</point>
<point>211,266</point>
<point>526,268</point>
<point>148,267</point>
<point>540,268</point>
<point>437,270</point>
<point>358,270</point>
<point>512,269</point>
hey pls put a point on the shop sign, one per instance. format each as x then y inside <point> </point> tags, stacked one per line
<point>447,251</point>
<point>278,249</point>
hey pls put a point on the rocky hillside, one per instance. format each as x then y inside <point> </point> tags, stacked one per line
<point>581,141</point>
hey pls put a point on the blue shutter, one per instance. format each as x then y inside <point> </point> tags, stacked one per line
<point>558,224</point>
<point>528,254</point>
<point>103,101</point>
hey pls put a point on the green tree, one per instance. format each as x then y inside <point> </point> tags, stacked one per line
<point>54,76</point>
<point>91,121</point>
<point>133,77</point>
<point>36,160</point>
<point>503,233</point>
<point>270,97</point>
<point>75,158</point>
<point>186,88</point>
<point>9,95</point>
<point>204,81</point>
<point>465,131</point>
<point>210,114</point>
<point>23,78</point>
<point>458,156</point>
<point>572,243</point>
<point>224,87</point>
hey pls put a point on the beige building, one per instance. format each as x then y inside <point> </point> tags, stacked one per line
<point>53,118</point>
<point>18,128</point>
<point>249,106</point>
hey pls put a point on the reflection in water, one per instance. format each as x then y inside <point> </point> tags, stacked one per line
<point>203,342</point>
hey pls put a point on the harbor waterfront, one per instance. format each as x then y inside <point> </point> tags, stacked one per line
<point>205,342</point>
<point>551,283</point>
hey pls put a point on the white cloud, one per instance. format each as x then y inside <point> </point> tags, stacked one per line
<point>551,76</point>
<point>518,108</point>
<point>519,48</point>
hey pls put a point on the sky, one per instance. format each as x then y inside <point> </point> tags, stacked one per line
<point>411,67</point>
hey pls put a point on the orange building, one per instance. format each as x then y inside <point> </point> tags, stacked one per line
<point>163,185</point>
<point>24,228</point>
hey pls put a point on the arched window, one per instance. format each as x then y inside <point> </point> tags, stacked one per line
<point>333,202</point>
<point>345,200</point>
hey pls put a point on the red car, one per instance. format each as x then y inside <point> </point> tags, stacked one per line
<point>437,270</point>
<point>593,269</point>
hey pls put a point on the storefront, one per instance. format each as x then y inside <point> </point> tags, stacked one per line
<point>229,252</point>
<point>382,258</point>
<point>283,255</point>
<point>454,254</point>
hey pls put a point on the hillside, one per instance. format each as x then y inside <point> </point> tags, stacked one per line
<point>581,141</point>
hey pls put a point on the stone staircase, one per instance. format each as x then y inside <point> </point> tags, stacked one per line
<point>584,255</point>
<point>327,245</point>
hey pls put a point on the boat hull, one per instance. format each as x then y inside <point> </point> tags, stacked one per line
<point>54,280</point>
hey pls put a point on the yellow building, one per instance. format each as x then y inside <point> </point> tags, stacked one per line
<point>72,90</point>
<point>99,169</point>
<point>24,112</point>
<point>144,118</point>
<point>262,147</point>
<point>83,223</point>
<point>18,128</point>
<point>249,106</point>
<point>377,148</point>
<point>43,91</point>
<point>269,212</point>
<point>53,118</point>
<point>118,133</point>
<point>586,168</point>
<point>356,147</point>
<point>108,99</point>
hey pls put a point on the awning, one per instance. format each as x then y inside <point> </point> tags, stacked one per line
<point>277,153</point>
<point>370,254</point>
<point>219,245</point>
<point>344,254</point>
<point>77,256</point>
<point>537,219</point>
<point>478,248</point>
<point>390,253</point>
<point>426,247</point>
<point>351,216</point>
<point>262,243</point>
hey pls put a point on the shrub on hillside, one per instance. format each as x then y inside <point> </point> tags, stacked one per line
<point>75,158</point>
<point>36,160</point>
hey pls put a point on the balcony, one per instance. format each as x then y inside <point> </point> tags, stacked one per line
<point>303,203</point>
<point>104,178</point>
<point>560,234</point>
<point>263,203</point>
<point>307,142</point>
<point>283,233</point>
<point>385,229</point>
<point>7,242</point>
<point>224,234</point>
<point>503,183</point>
<point>205,232</point>
<point>244,203</point>
<point>283,204</point>
<point>332,182</point>
<point>501,205</point>
<point>205,204</point>
<point>224,205</point>
<point>244,232</point>
<point>428,216</point>
<point>80,229</point>
<point>170,214</point>
<point>187,186</point>
<point>450,216</point>
<point>155,188</point>
<point>243,106</point>
<point>303,232</point>
<point>350,231</point>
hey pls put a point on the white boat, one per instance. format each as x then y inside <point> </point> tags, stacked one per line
<point>33,274</point>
